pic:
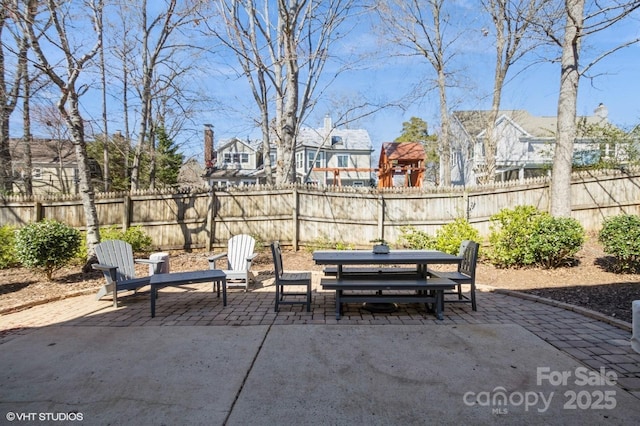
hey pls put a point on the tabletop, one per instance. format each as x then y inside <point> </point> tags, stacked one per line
<point>367,257</point>
<point>188,276</point>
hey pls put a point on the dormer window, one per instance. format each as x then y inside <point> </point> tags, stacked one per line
<point>336,140</point>
<point>236,157</point>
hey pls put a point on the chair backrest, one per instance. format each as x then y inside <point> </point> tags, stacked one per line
<point>117,253</point>
<point>239,249</point>
<point>469,252</point>
<point>276,252</point>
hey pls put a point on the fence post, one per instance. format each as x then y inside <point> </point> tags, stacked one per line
<point>126,213</point>
<point>381,217</point>
<point>38,211</point>
<point>295,220</point>
<point>211,220</point>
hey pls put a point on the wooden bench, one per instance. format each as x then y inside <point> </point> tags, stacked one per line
<point>370,290</point>
<point>368,271</point>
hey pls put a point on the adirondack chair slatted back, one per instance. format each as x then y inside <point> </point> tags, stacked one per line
<point>240,248</point>
<point>117,253</point>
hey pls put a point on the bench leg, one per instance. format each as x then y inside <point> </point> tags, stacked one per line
<point>224,292</point>
<point>154,293</point>
<point>473,297</point>
<point>338,304</point>
<point>439,304</point>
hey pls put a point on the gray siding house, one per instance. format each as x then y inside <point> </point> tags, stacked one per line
<point>525,144</point>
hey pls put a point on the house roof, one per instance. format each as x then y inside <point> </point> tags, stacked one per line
<point>233,173</point>
<point>408,151</point>
<point>540,127</point>
<point>44,152</point>
<point>348,139</point>
<point>253,145</point>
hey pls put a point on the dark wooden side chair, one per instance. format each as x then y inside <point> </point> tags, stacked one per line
<point>465,275</point>
<point>289,279</point>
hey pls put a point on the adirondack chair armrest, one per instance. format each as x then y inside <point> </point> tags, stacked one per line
<point>250,259</point>
<point>108,271</point>
<point>214,258</point>
<point>217,256</point>
<point>155,262</point>
<point>149,261</point>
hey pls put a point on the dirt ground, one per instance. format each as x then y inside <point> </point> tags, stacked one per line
<point>586,283</point>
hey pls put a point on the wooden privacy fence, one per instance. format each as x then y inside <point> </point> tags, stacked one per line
<point>303,215</point>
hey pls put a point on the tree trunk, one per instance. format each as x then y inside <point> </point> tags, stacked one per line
<point>445,144</point>
<point>76,126</point>
<point>266,149</point>
<point>5,156</point>
<point>26,126</point>
<point>566,131</point>
<point>105,123</point>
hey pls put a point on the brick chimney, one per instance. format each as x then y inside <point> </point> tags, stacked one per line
<point>209,153</point>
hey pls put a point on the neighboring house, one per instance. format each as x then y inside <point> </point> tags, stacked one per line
<point>525,144</point>
<point>53,167</point>
<point>190,174</point>
<point>404,160</point>
<point>337,156</point>
<point>236,162</point>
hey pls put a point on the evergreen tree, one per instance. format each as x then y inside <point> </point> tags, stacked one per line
<point>414,130</point>
<point>168,159</point>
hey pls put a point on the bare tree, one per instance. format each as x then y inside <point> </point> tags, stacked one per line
<point>9,90</point>
<point>66,75</point>
<point>580,22</point>
<point>421,27</point>
<point>26,133</point>
<point>514,23</point>
<point>160,48</point>
<point>282,47</point>
<point>105,123</point>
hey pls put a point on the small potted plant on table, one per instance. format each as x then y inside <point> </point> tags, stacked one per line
<point>380,246</point>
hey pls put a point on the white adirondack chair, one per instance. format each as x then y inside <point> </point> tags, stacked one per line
<point>239,256</point>
<point>116,262</point>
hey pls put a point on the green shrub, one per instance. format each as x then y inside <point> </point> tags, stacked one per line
<point>81,255</point>
<point>412,238</point>
<point>47,245</point>
<point>526,236</point>
<point>555,240</point>
<point>620,238</point>
<point>449,236</point>
<point>134,235</point>
<point>7,247</point>
<point>511,230</point>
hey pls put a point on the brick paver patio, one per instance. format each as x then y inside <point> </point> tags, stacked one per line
<point>593,340</point>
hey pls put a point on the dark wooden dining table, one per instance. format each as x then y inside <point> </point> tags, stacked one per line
<point>420,258</point>
<point>385,273</point>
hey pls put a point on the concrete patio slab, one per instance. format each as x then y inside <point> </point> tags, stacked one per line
<point>198,362</point>
<point>461,374</point>
<point>132,375</point>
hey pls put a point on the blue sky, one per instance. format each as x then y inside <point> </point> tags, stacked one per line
<point>383,78</point>
<point>616,84</point>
